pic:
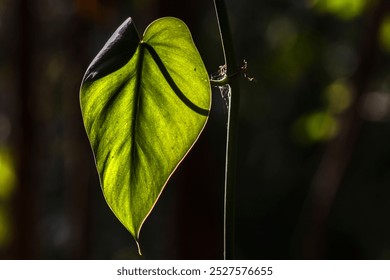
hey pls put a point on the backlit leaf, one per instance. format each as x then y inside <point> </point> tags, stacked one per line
<point>144,103</point>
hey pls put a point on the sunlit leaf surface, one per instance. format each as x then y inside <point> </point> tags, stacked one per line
<point>144,103</point>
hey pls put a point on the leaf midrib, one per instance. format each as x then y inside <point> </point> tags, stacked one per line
<point>135,112</point>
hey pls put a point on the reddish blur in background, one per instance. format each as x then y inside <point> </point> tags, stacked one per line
<point>314,154</point>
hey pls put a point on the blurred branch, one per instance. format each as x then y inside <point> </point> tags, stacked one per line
<point>338,152</point>
<point>78,163</point>
<point>24,200</point>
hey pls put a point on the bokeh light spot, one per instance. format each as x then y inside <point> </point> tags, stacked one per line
<point>344,9</point>
<point>384,35</point>
<point>338,97</point>
<point>315,127</point>
<point>8,177</point>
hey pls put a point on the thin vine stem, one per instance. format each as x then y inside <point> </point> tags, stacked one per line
<point>232,130</point>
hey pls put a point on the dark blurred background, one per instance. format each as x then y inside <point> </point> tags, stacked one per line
<point>314,142</point>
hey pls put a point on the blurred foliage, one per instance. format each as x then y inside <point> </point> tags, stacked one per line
<point>7,171</point>
<point>338,97</point>
<point>316,126</point>
<point>344,9</point>
<point>323,125</point>
<point>7,185</point>
<point>384,35</point>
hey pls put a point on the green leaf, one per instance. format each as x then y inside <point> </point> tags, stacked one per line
<point>144,103</point>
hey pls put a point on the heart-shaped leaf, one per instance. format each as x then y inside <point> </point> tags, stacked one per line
<point>144,103</point>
